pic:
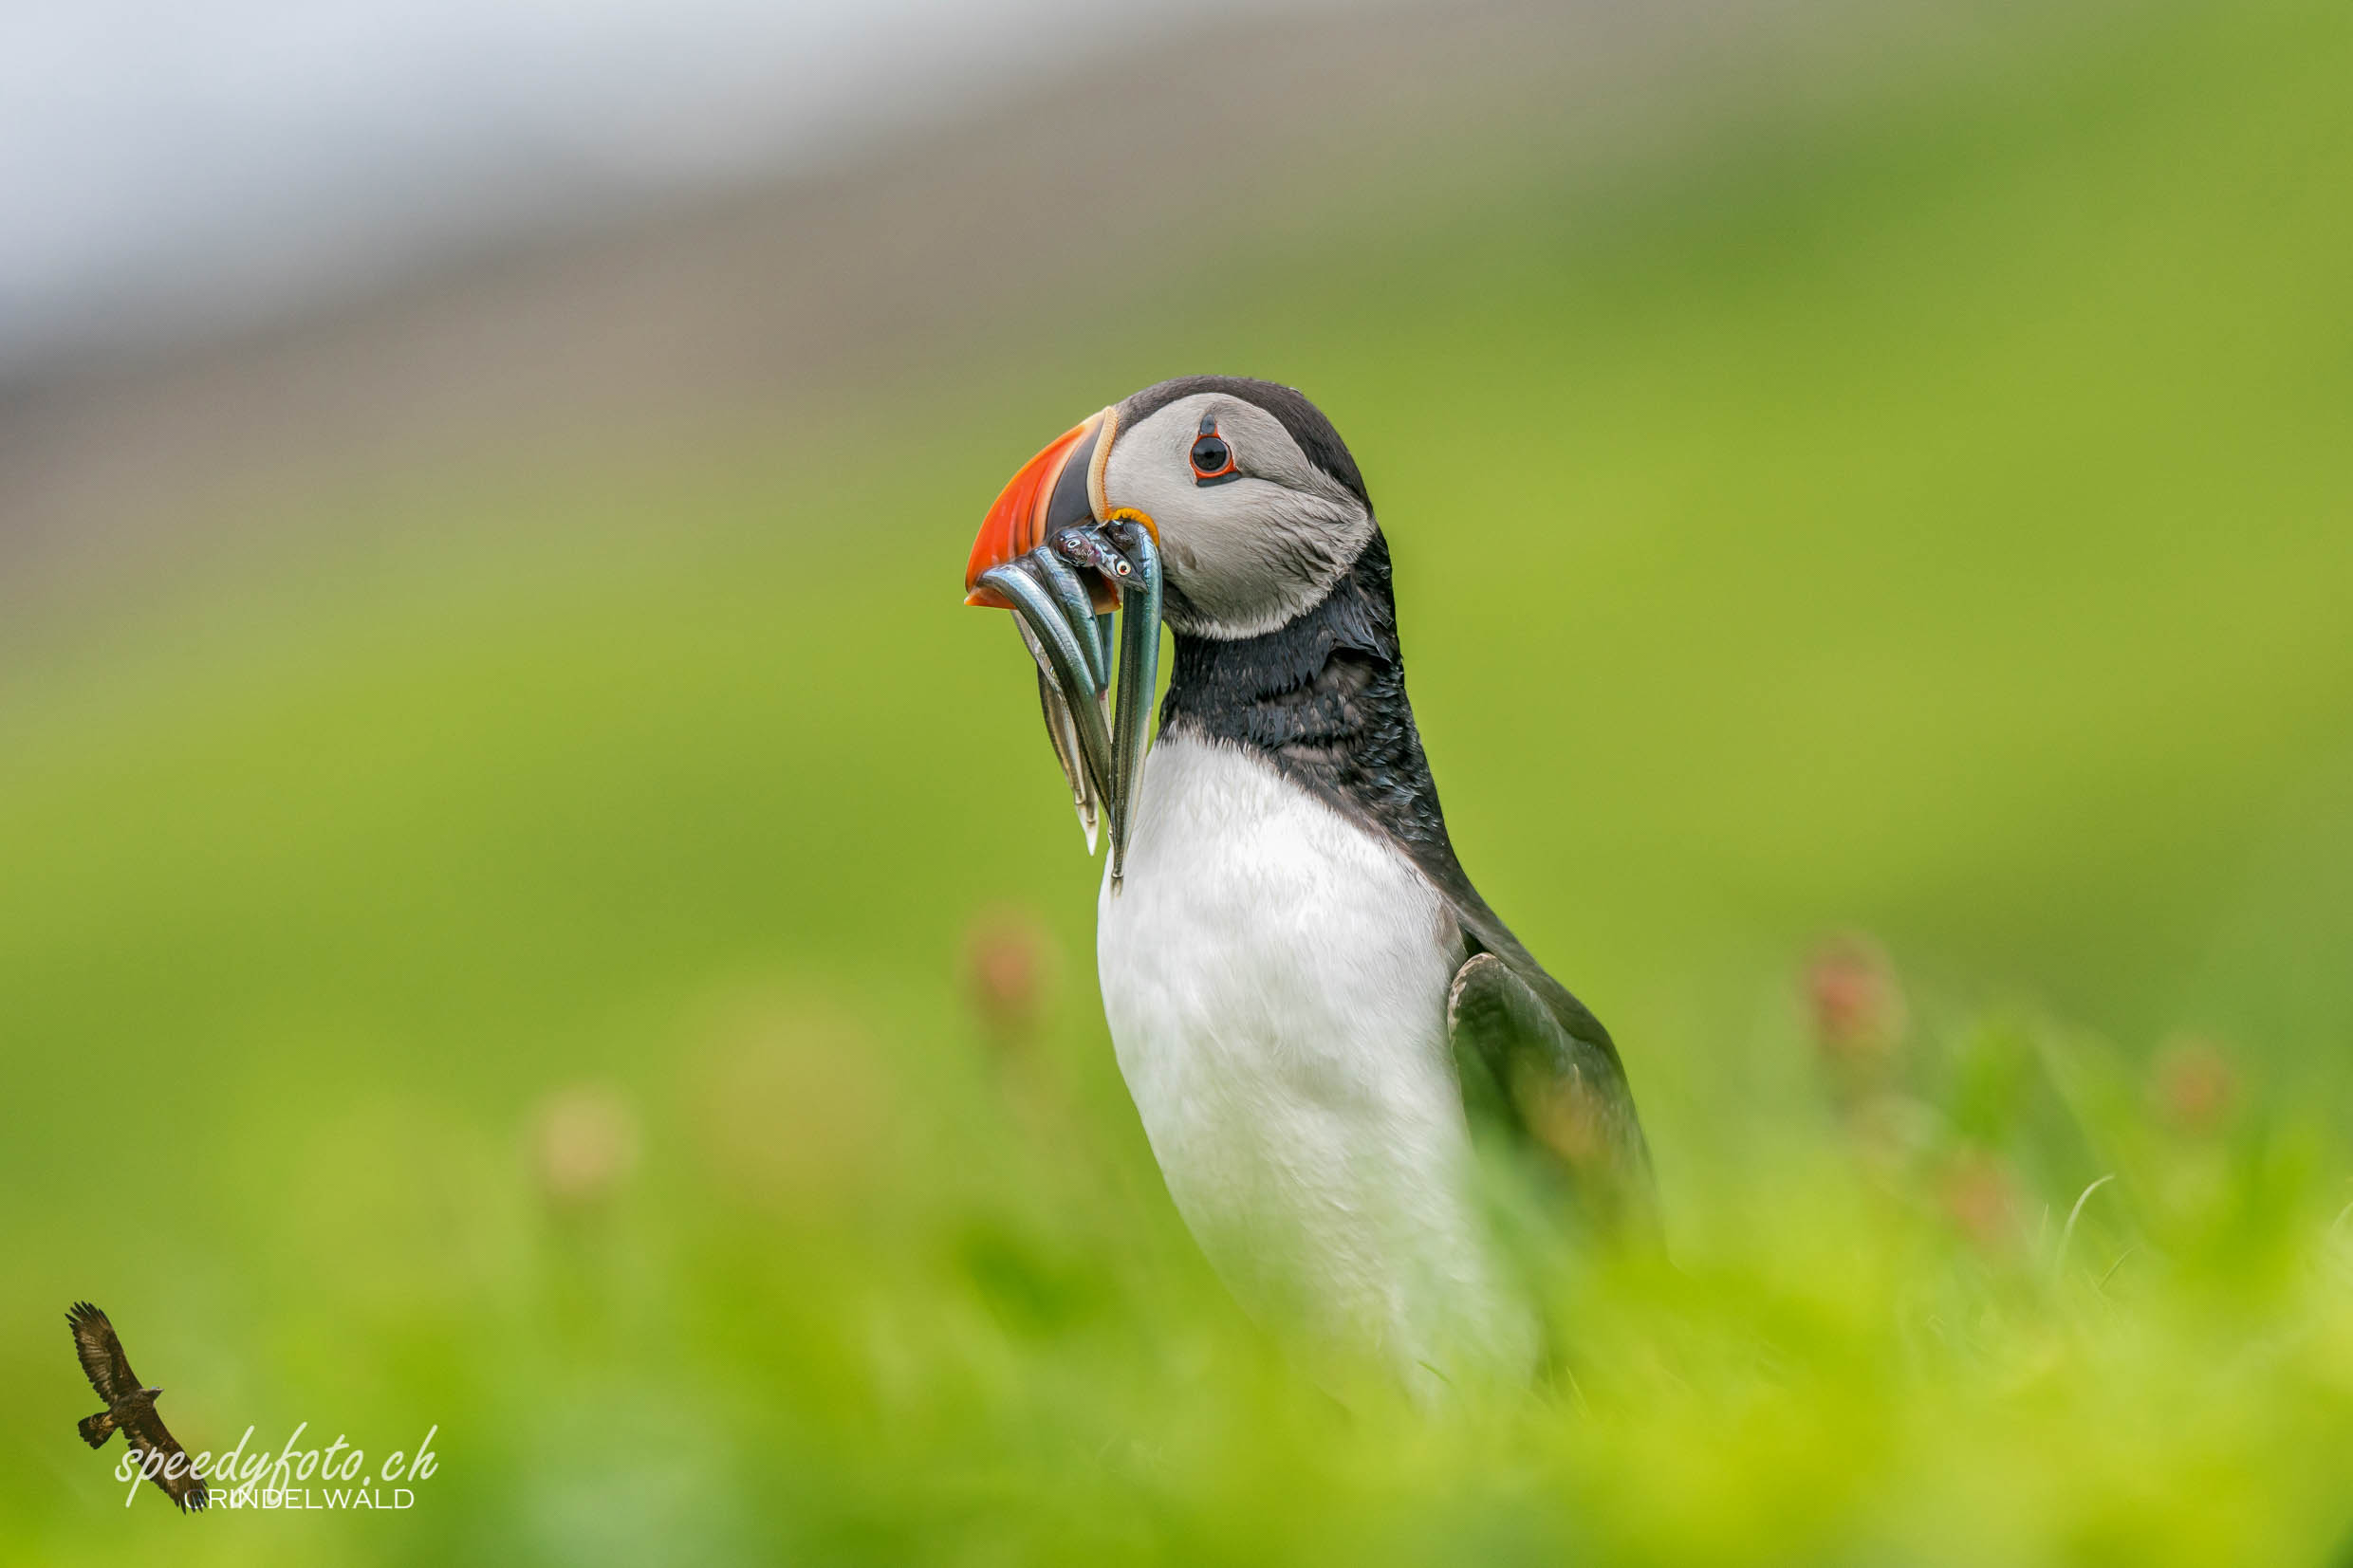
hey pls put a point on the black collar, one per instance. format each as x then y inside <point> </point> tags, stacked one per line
<point>1322,698</point>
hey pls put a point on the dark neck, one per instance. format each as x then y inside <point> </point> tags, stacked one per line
<point>1322,697</point>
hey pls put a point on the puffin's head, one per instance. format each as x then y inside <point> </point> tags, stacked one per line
<point>1222,505</point>
<point>1254,501</point>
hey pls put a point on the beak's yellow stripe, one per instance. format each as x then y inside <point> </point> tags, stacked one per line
<point>1104,434</point>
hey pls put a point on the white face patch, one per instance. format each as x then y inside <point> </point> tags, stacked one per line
<point>1246,554</point>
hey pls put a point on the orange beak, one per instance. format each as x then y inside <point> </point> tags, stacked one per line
<point>1057,488</point>
<point>1065,615</point>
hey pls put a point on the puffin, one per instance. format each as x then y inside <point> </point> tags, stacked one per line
<point>1321,1021</point>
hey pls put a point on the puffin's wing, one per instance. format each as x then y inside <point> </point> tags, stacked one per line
<point>1561,1086</point>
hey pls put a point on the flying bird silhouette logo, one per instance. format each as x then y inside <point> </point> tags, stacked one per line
<point>130,1409</point>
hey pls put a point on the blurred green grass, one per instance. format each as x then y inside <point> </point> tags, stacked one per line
<point>1923,510</point>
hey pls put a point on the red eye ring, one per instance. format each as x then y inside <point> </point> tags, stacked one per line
<point>1213,458</point>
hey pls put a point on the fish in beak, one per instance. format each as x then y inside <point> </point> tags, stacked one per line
<point>1056,553</point>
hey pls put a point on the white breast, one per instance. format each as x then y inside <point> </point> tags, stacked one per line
<point>1275,979</point>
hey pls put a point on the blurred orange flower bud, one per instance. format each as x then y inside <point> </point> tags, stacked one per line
<point>2194,1085</point>
<point>1010,960</point>
<point>1855,1002</point>
<point>584,1146</point>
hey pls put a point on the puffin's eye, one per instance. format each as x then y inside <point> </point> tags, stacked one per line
<point>1213,460</point>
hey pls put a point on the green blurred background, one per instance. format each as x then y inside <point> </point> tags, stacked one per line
<point>555,925</point>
